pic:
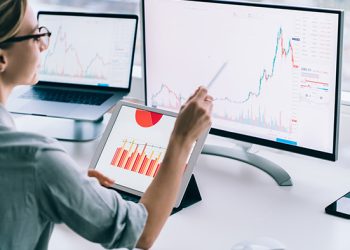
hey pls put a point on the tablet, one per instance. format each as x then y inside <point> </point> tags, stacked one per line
<point>133,146</point>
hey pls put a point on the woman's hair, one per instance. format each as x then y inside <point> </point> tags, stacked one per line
<point>11,15</point>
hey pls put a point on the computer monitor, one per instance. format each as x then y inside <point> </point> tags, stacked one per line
<point>274,71</point>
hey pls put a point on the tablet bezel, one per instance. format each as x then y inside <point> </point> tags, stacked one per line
<point>191,162</point>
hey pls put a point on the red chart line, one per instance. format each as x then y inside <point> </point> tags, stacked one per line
<point>322,83</point>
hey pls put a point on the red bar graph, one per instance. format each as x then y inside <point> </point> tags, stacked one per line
<point>122,158</point>
<point>134,167</point>
<point>150,167</point>
<point>140,158</point>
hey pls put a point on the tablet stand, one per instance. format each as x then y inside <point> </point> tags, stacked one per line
<point>191,196</point>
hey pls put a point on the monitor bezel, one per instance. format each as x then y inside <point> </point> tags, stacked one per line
<point>256,140</point>
<point>99,15</point>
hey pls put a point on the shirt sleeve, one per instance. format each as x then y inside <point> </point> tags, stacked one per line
<point>66,194</point>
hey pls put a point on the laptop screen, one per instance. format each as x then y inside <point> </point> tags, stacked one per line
<point>88,49</point>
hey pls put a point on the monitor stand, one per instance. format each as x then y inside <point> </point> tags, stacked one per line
<point>276,172</point>
<point>61,128</point>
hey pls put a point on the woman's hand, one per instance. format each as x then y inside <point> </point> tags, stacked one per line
<point>103,180</point>
<point>194,117</point>
<point>160,196</point>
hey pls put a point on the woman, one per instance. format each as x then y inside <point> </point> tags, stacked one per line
<point>41,185</point>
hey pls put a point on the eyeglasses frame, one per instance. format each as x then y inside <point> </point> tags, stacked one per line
<point>26,37</point>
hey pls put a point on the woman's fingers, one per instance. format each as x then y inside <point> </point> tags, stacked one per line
<point>102,179</point>
<point>195,115</point>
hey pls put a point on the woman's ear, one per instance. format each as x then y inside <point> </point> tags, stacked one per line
<point>3,61</point>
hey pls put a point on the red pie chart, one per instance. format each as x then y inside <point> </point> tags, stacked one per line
<point>147,119</point>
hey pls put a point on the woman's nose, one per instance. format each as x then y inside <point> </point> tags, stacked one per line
<point>42,47</point>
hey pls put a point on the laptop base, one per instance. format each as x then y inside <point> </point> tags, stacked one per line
<point>60,128</point>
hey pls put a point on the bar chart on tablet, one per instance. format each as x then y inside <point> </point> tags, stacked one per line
<point>136,147</point>
<point>142,158</point>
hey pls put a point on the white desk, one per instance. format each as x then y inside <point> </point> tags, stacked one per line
<point>241,202</point>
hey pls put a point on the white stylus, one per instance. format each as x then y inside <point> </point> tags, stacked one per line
<point>216,75</point>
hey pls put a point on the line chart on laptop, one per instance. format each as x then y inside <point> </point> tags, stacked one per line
<point>81,51</point>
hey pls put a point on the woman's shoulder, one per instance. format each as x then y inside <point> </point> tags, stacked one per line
<point>26,143</point>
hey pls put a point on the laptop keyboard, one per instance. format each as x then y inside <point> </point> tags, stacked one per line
<point>67,96</point>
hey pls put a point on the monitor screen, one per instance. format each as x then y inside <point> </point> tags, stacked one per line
<point>88,49</point>
<point>274,71</point>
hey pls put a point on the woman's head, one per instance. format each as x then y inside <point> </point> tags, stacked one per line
<point>11,15</point>
<point>19,58</point>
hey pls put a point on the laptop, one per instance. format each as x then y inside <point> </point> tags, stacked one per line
<point>85,71</point>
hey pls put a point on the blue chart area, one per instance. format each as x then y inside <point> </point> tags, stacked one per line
<point>66,58</point>
<point>73,59</point>
<point>256,105</point>
<point>257,108</point>
<point>82,52</point>
<point>267,75</point>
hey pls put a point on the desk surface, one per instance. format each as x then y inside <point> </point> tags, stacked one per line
<point>241,202</point>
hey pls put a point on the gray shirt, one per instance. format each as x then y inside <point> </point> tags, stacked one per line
<point>40,185</point>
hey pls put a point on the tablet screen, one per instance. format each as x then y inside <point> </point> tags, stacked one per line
<point>135,148</point>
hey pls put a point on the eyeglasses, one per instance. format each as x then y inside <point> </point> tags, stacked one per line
<point>43,36</point>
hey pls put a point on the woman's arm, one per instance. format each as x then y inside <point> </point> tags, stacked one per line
<point>159,199</point>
